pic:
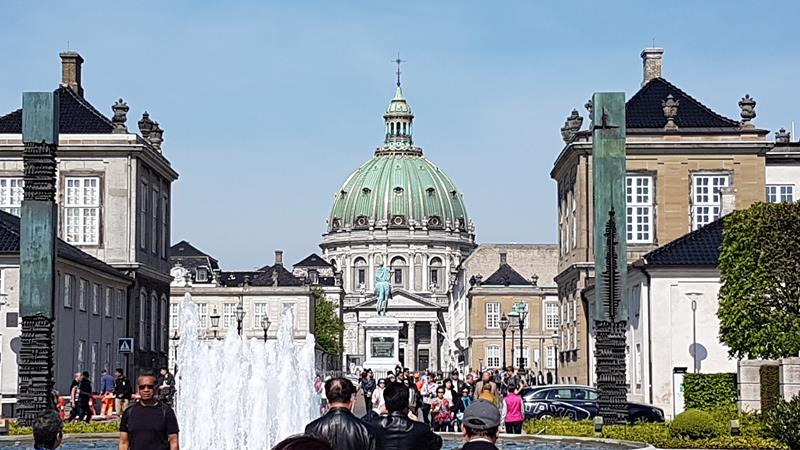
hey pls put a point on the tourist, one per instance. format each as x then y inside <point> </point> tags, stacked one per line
<point>122,392</point>
<point>367,387</point>
<point>486,380</point>
<point>414,400</point>
<point>481,426</point>
<point>510,378</point>
<point>487,394</point>
<point>303,442</point>
<point>470,384</point>
<point>166,386</point>
<point>458,385</point>
<point>85,398</point>
<point>377,396</point>
<point>513,403</point>
<point>441,413</point>
<point>148,424</point>
<point>320,393</point>
<point>48,430</point>
<point>428,393</point>
<point>73,397</point>
<point>396,431</point>
<point>339,426</point>
<point>107,393</point>
<point>464,402</point>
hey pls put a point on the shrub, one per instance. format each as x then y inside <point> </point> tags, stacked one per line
<point>694,424</point>
<point>106,426</point>
<point>709,390</point>
<point>782,422</point>
<point>770,386</point>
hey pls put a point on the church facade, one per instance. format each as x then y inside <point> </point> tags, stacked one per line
<point>401,211</point>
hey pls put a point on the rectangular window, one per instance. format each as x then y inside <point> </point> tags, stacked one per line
<point>81,355</point>
<point>96,299</point>
<point>637,367</point>
<point>259,312</point>
<point>120,302</point>
<point>82,210</point>
<point>163,324</point>
<point>69,283</point>
<point>493,356</point>
<point>572,313</point>
<point>143,210</point>
<point>142,320</point>
<point>362,277</point>
<point>164,226</point>
<point>398,276</point>
<point>11,193</point>
<point>705,198</point>
<point>639,200</point>
<point>107,301</point>
<point>202,275</point>
<point>434,277</point>
<point>551,315</point>
<point>82,293</point>
<point>574,220</point>
<point>202,311</point>
<point>551,358</point>
<point>154,222</point>
<point>228,315</point>
<point>780,193</point>
<point>107,357</point>
<point>93,365</point>
<point>153,323</point>
<point>492,315</point>
<point>174,314</point>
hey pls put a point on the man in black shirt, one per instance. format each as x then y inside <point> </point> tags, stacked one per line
<point>85,398</point>
<point>148,424</point>
<point>122,392</point>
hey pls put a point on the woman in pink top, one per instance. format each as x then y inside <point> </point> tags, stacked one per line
<point>514,416</point>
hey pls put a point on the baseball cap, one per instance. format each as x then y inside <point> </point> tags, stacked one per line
<point>482,415</point>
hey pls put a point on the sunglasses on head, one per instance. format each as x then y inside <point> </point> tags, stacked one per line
<point>147,386</point>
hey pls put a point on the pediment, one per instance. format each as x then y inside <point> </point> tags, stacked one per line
<point>401,300</point>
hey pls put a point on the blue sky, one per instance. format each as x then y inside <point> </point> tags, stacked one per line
<point>268,106</point>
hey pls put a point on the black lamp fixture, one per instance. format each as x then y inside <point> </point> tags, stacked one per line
<point>215,321</point>
<point>265,323</point>
<point>503,328</point>
<point>239,317</point>
<point>556,341</point>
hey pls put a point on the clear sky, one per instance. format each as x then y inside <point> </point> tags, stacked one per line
<point>268,106</point>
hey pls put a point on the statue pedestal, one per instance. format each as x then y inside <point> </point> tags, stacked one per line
<point>382,344</point>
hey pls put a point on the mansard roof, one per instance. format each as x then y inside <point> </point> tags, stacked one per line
<point>506,276</point>
<point>191,257</point>
<point>266,277</point>
<point>644,109</point>
<point>75,116</point>
<point>313,260</point>
<point>698,248</point>
<point>10,238</point>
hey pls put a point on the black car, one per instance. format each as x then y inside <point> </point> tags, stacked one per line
<point>577,403</point>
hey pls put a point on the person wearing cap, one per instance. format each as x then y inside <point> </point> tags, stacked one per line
<point>458,384</point>
<point>396,431</point>
<point>481,426</point>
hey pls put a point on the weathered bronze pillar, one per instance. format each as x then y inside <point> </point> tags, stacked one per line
<point>609,169</point>
<point>39,218</point>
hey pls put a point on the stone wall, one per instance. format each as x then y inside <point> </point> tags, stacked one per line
<point>749,378</point>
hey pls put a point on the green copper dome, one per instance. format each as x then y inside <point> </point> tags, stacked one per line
<point>398,187</point>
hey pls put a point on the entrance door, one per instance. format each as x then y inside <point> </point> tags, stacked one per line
<point>423,359</point>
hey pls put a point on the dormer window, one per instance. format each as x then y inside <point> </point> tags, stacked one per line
<point>430,191</point>
<point>342,193</point>
<point>362,221</point>
<point>313,276</point>
<point>434,222</point>
<point>201,275</point>
<point>398,191</point>
<point>366,191</point>
<point>453,192</point>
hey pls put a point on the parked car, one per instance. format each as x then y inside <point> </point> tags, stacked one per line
<point>577,403</point>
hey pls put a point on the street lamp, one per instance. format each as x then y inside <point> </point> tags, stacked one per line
<point>503,327</point>
<point>239,317</point>
<point>693,296</point>
<point>175,338</point>
<point>556,338</point>
<point>214,321</point>
<point>520,310</point>
<point>265,323</point>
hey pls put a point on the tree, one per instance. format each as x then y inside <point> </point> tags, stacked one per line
<point>759,264</point>
<point>328,327</point>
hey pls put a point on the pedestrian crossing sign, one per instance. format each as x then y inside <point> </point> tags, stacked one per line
<point>125,345</point>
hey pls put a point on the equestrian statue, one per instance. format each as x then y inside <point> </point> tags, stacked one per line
<point>383,289</point>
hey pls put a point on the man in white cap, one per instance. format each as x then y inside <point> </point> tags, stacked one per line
<point>481,426</point>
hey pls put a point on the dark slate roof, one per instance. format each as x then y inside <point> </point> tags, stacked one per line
<point>327,281</point>
<point>75,116</point>
<point>9,244</point>
<point>644,109</point>
<point>265,277</point>
<point>698,248</point>
<point>506,276</point>
<point>234,279</point>
<point>191,257</point>
<point>313,260</point>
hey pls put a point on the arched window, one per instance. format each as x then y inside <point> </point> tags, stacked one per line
<point>142,319</point>
<point>434,273</point>
<point>360,273</point>
<point>398,267</point>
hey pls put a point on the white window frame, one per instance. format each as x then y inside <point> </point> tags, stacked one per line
<point>174,315</point>
<point>550,361</point>
<point>95,299</point>
<point>705,197</point>
<point>551,321</point>
<point>69,287</point>
<point>83,286</point>
<point>107,294</point>
<point>492,356</point>
<point>82,210</point>
<point>202,313</point>
<point>11,194</point>
<point>204,272</point>
<point>779,193</point>
<point>492,315</point>
<point>639,207</point>
<point>228,315</point>
<point>260,309</point>
<point>120,302</point>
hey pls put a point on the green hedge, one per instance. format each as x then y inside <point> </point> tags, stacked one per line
<point>655,434</point>
<point>770,387</point>
<point>695,424</point>
<point>709,390</point>
<point>106,426</point>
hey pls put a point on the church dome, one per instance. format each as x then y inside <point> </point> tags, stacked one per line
<point>399,187</point>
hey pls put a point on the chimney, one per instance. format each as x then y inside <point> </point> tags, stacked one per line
<point>71,71</point>
<point>727,199</point>
<point>503,259</point>
<point>279,257</point>
<point>651,59</point>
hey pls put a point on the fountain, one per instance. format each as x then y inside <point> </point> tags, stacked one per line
<point>242,394</point>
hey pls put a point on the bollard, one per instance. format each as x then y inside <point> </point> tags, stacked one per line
<point>598,426</point>
<point>735,427</point>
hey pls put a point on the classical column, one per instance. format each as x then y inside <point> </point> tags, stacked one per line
<point>411,347</point>
<point>411,271</point>
<point>347,272</point>
<point>362,339</point>
<point>425,257</point>
<point>370,282</point>
<point>434,345</point>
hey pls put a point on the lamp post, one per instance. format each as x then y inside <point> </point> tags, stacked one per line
<point>556,338</point>
<point>512,323</point>
<point>265,323</point>
<point>503,327</point>
<point>214,321</point>
<point>239,317</point>
<point>175,338</point>
<point>693,296</point>
<point>520,310</point>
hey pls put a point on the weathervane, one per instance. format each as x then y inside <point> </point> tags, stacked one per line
<point>398,61</point>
